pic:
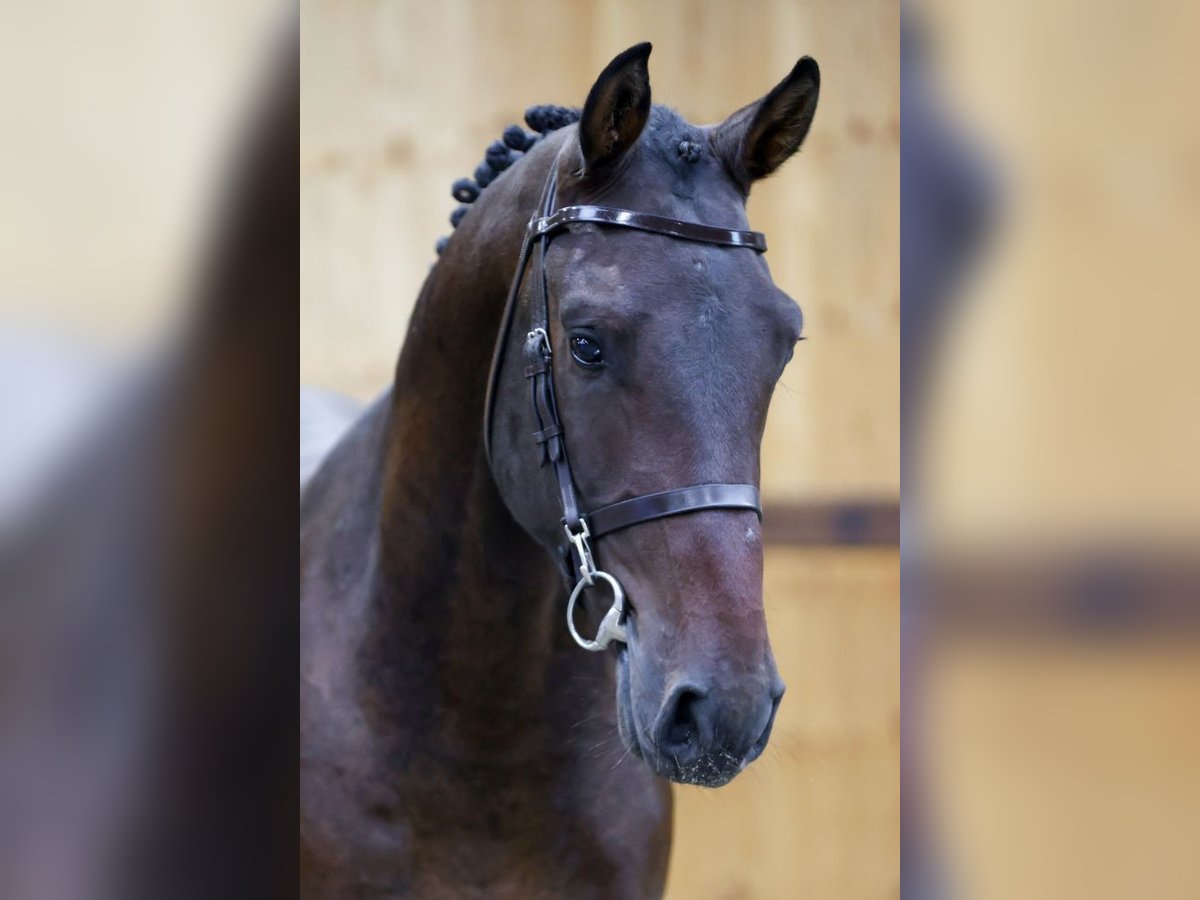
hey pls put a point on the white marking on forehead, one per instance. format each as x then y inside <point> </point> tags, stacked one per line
<point>751,535</point>
<point>592,277</point>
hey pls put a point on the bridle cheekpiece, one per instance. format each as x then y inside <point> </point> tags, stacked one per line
<point>581,528</point>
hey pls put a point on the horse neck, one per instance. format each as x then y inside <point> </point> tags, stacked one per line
<point>465,600</point>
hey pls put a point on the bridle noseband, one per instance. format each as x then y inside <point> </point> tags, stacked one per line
<point>580,528</point>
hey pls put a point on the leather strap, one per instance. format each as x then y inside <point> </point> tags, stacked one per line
<point>676,228</point>
<point>648,507</point>
<point>539,370</point>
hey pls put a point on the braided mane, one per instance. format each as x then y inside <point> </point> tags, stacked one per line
<point>501,154</point>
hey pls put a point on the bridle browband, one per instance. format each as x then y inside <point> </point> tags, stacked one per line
<point>581,527</point>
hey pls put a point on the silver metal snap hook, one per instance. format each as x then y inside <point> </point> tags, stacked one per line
<point>583,550</point>
<point>612,627</point>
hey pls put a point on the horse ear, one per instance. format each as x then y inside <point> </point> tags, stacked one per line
<point>617,108</point>
<point>757,139</point>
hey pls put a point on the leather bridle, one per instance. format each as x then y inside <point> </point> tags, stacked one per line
<point>580,528</point>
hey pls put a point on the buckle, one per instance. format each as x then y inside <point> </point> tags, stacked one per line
<point>543,341</point>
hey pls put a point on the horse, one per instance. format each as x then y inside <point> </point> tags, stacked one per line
<point>455,739</point>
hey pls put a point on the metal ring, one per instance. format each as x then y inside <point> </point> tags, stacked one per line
<point>611,627</point>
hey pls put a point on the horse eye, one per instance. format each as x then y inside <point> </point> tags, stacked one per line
<point>587,352</point>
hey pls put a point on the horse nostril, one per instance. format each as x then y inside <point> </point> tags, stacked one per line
<point>682,722</point>
<point>761,742</point>
<point>683,726</point>
<point>777,693</point>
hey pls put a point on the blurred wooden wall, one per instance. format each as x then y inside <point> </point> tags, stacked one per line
<point>818,816</point>
<point>401,98</point>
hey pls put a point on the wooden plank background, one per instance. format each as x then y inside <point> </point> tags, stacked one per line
<point>400,98</point>
<point>818,816</point>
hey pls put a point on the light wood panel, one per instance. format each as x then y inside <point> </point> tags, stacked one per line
<point>401,98</point>
<point>1038,430</point>
<point>1062,766</point>
<point>818,816</point>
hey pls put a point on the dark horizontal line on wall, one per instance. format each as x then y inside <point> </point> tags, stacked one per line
<point>833,523</point>
<point>1100,591</point>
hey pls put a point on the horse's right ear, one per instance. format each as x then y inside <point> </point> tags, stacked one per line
<point>617,108</point>
<point>757,139</point>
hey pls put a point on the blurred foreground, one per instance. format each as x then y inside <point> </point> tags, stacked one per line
<point>1051,588</point>
<point>147,290</point>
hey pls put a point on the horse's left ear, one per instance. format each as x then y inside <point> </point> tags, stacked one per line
<point>617,108</point>
<point>757,139</point>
